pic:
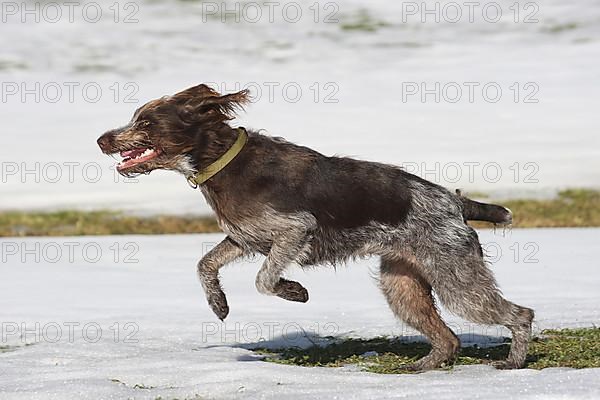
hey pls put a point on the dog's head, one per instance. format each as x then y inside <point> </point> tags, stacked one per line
<point>164,133</point>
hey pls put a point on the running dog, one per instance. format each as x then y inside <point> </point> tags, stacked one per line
<point>297,206</point>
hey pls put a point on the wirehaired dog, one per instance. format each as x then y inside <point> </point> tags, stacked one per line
<point>297,206</point>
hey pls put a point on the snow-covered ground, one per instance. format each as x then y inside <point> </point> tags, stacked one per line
<point>125,317</point>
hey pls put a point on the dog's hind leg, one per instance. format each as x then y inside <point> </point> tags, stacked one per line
<point>409,297</point>
<point>208,272</point>
<point>472,293</point>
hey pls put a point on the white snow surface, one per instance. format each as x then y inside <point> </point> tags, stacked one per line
<point>169,343</point>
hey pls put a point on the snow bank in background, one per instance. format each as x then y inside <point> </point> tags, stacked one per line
<point>351,82</point>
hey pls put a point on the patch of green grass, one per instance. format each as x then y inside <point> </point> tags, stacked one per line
<point>361,21</point>
<point>478,195</point>
<point>5,349</point>
<point>94,67</point>
<point>571,208</point>
<point>574,348</point>
<point>77,223</point>
<point>12,65</point>
<point>8,348</point>
<point>561,27</point>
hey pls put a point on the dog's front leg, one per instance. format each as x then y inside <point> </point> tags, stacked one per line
<point>208,272</point>
<point>285,250</point>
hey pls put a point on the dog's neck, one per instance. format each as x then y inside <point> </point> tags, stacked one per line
<point>210,146</point>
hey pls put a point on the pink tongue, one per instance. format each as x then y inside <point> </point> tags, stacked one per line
<point>132,153</point>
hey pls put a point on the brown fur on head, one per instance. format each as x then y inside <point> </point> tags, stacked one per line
<point>167,133</point>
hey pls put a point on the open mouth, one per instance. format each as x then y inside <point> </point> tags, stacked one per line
<point>134,157</point>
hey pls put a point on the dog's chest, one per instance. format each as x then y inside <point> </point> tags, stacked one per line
<point>216,203</point>
<point>251,231</point>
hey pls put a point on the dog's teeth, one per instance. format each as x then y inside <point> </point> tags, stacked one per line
<point>130,155</point>
<point>146,152</point>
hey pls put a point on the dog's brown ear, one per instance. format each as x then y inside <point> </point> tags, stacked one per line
<point>196,92</point>
<point>228,104</point>
<point>201,102</point>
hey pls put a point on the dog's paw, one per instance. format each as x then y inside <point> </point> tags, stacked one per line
<point>218,302</point>
<point>291,291</point>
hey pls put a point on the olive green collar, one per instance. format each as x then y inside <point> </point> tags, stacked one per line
<point>202,176</point>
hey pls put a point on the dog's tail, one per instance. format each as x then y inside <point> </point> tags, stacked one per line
<point>476,211</point>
